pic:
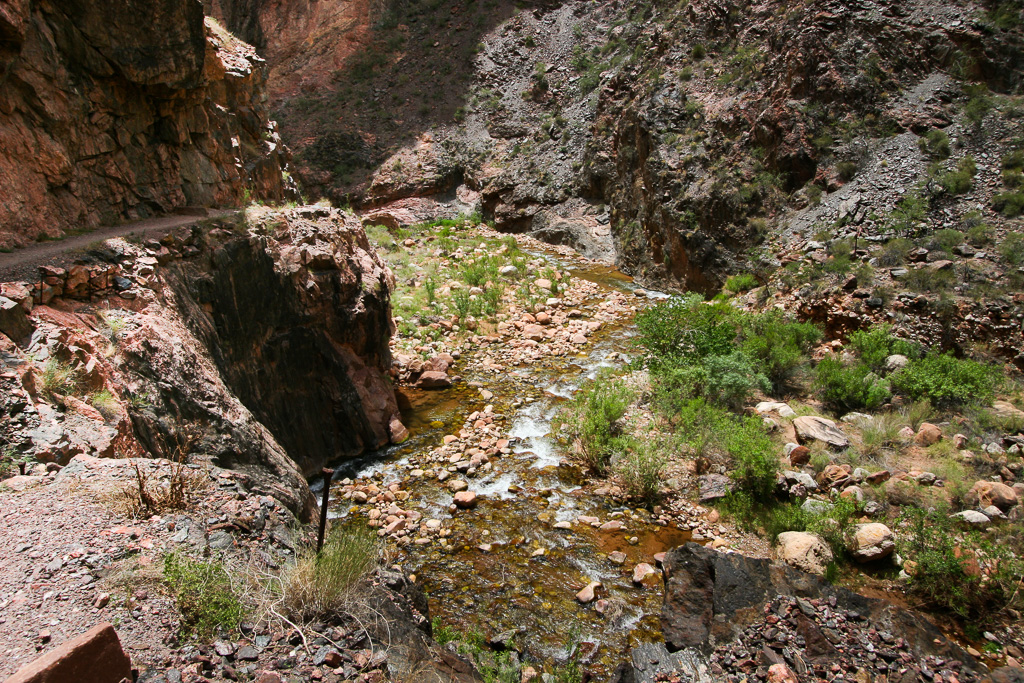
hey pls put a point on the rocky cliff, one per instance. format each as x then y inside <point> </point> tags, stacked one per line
<point>108,118</point>
<point>259,345</point>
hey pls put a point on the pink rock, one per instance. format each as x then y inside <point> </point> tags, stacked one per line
<point>588,594</point>
<point>465,499</point>
<point>95,656</point>
<point>643,572</point>
<point>614,525</point>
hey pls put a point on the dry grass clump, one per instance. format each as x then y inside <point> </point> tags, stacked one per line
<point>319,585</point>
<point>150,495</point>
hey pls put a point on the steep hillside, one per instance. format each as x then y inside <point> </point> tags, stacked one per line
<point>105,118</point>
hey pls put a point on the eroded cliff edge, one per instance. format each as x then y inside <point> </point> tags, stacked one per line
<point>104,118</point>
<point>258,344</point>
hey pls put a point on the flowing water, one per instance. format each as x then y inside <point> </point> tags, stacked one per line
<point>510,585</point>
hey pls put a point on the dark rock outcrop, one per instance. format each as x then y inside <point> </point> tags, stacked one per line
<point>122,110</point>
<point>298,321</point>
<point>711,598</point>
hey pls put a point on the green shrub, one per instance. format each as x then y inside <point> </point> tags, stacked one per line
<point>846,170</point>
<point>642,468</point>
<point>204,595</point>
<point>895,251</point>
<point>946,239</point>
<point>947,573</point>
<point>849,387</point>
<point>961,180</point>
<point>981,235</point>
<point>929,279</point>
<point>876,344</point>
<point>321,584</point>
<point>684,329</point>
<point>1010,204</point>
<point>742,440</point>
<point>741,283</point>
<point>1012,248</point>
<point>779,344</point>
<point>698,52</point>
<point>946,380</point>
<point>935,143</point>
<point>104,402</point>
<point>591,421</point>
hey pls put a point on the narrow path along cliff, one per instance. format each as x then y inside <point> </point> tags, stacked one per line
<point>22,263</point>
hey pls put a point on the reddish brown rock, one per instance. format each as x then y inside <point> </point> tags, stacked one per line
<point>928,434</point>
<point>800,456</point>
<point>95,656</point>
<point>431,379</point>
<point>465,499</point>
<point>985,493</point>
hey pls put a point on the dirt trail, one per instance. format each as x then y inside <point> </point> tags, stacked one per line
<point>21,264</point>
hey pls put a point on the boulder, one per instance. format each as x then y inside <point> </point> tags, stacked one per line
<point>778,407</point>
<point>972,517</point>
<point>812,428</point>
<point>805,551</point>
<point>534,332</point>
<point>793,477</point>
<point>799,456</point>
<point>896,362</point>
<point>872,541</point>
<point>1005,409</point>
<point>95,656</point>
<point>985,493</point>
<point>927,435</point>
<point>432,379</point>
<point>714,486</point>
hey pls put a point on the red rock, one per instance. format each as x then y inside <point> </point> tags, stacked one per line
<point>465,499</point>
<point>985,493</point>
<point>928,434</point>
<point>95,656</point>
<point>800,456</point>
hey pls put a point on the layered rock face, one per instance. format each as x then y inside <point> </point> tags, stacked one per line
<point>106,117</point>
<point>259,345</point>
<point>298,321</point>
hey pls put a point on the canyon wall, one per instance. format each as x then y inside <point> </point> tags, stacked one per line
<point>105,118</point>
<point>258,344</point>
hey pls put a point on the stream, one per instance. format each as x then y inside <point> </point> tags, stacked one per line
<point>504,565</point>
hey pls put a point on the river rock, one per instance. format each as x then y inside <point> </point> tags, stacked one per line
<point>588,593</point>
<point>465,499</point>
<point>985,493</point>
<point>813,428</point>
<point>534,332</point>
<point>872,541</point>
<point>896,362</point>
<point>805,551</point>
<point>646,575</point>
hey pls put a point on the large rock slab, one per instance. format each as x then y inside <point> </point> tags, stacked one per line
<point>813,428</point>
<point>95,656</point>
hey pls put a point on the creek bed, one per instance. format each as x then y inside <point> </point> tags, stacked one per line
<point>510,585</point>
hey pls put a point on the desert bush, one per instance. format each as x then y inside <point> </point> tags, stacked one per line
<point>778,343</point>
<point>879,435</point>
<point>205,597</point>
<point>321,584</point>
<point>1010,204</point>
<point>592,418</point>
<point>957,570</point>
<point>895,251</point>
<point>946,239</point>
<point>1012,248</point>
<point>877,343</point>
<point>740,283</point>
<point>642,468</point>
<point>961,180</point>
<point>935,143</point>
<point>845,387</point>
<point>104,402</point>
<point>946,380</point>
